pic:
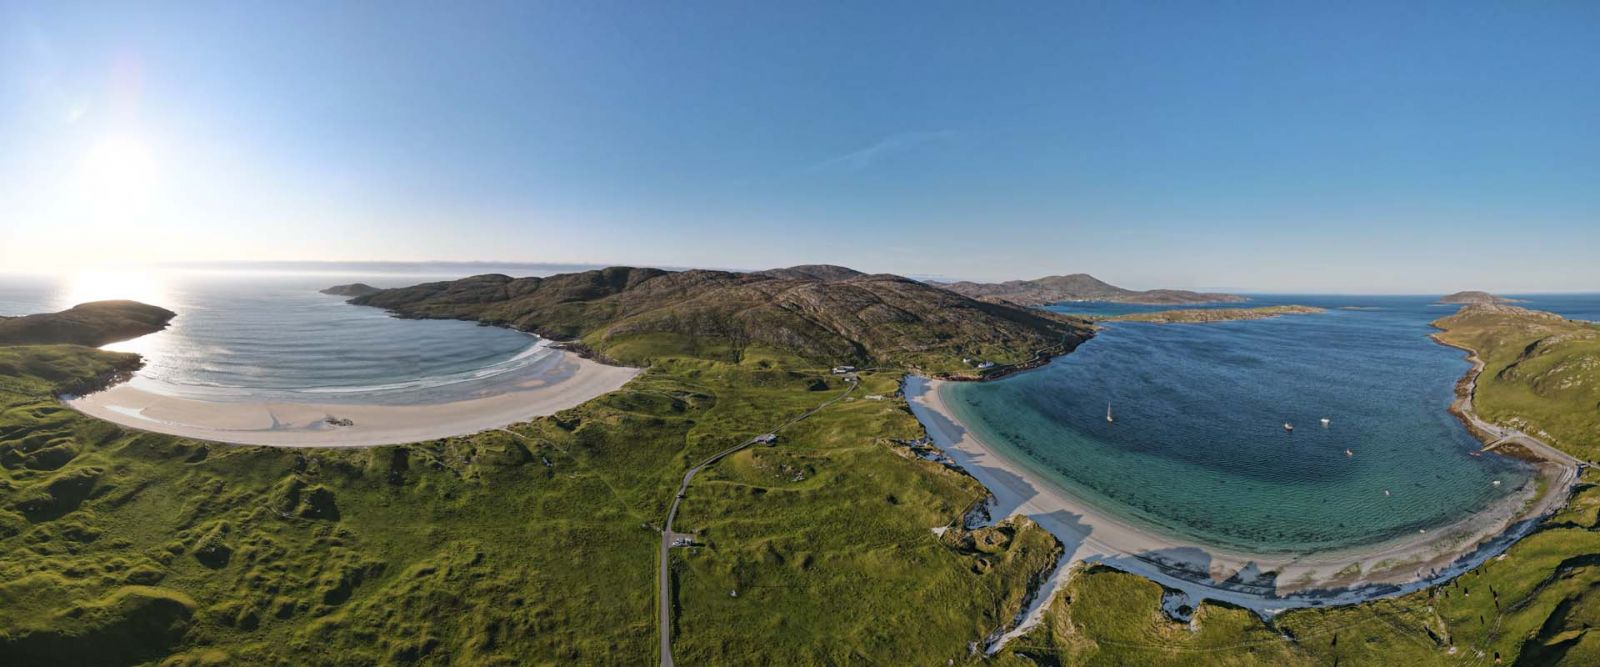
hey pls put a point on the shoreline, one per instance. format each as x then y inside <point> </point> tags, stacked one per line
<point>541,390</point>
<point>1264,583</point>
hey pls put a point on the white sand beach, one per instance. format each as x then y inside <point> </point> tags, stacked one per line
<point>542,389</point>
<point>1265,583</point>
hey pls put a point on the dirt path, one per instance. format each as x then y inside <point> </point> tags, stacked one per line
<point>664,577</point>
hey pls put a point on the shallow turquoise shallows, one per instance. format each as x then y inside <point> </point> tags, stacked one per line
<point>1198,446</point>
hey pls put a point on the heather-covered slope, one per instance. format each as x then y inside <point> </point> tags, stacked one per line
<point>820,313</point>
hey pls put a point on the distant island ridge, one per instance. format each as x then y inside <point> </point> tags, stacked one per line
<point>1474,297</point>
<point>352,289</point>
<point>1081,287</point>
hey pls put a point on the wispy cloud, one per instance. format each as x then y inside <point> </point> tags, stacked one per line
<point>862,158</point>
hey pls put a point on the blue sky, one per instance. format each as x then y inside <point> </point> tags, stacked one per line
<point>1374,147</point>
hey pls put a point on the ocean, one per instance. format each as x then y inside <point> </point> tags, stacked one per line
<point>249,335</point>
<point>1198,448</point>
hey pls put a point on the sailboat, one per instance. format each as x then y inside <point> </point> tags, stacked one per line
<point>1109,418</point>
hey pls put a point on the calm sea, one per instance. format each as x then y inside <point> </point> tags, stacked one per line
<point>1198,446</point>
<point>260,335</point>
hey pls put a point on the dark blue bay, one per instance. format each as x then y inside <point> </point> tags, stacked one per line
<point>1198,447</point>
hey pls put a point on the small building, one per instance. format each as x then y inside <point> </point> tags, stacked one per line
<point>768,439</point>
<point>874,397</point>
<point>985,365</point>
<point>841,370</point>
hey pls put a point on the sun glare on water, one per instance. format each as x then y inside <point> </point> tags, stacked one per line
<point>133,285</point>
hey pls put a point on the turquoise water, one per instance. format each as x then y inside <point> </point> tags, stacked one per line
<point>272,336</point>
<point>1198,447</point>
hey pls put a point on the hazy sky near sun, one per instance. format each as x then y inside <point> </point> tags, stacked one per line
<point>1278,146</point>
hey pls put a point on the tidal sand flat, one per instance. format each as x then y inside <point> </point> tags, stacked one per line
<point>562,381</point>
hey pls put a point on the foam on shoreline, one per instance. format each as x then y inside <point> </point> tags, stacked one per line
<point>563,381</point>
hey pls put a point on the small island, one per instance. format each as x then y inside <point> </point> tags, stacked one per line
<point>1193,315</point>
<point>350,290</point>
<point>1474,296</point>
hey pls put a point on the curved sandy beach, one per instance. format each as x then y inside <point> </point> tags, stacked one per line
<point>540,390</point>
<point>1265,583</point>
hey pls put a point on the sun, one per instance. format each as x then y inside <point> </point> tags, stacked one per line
<point>103,285</point>
<point>120,174</point>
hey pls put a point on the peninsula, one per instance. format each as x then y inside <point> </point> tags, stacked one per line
<point>91,324</point>
<point>1081,287</point>
<point>1195,315</point>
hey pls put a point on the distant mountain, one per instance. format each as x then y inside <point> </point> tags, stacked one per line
<point>1080,287</point>
<point>824,313</point>
<point>824,272</point>
<point>1474,296</point>
<point>93,324</point>
<point>352,289</point>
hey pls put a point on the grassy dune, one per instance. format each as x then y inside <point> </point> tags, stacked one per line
<point>536,547</point>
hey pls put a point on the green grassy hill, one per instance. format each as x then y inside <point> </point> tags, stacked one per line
<point>639,315</point>
<point>535,545</point>
<point>94,324</point>
<point>1541,372</point>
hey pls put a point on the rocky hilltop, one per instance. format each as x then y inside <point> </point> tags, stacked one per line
<point>1080,287</point>
<point>352,289</point>
<point>830,314</point>
<point>93,324</point>
<point>1474,296</point>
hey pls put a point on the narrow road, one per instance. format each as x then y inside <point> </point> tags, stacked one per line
<point>667,536</point>
<point>1501,435</point>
